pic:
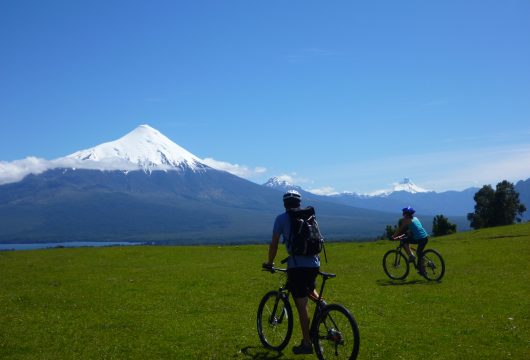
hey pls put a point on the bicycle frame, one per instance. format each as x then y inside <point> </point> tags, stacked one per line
<point>429,263</point>
<point>400,248</point>
<point>283,291</point>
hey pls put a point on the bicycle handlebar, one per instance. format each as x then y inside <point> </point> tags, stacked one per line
<point>273,269</point>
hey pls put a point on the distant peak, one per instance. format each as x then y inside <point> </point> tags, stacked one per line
<point>276,181</point>
<point>407,185</point>
<point>281,184</point>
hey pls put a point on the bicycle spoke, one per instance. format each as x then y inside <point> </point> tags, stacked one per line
<point>275,323</point>
<point>337,334</point>
<point>395,265</point>
<point>433,265</point>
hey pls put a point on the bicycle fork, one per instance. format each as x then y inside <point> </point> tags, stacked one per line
<point>332,331</point>
<point>277,318</point>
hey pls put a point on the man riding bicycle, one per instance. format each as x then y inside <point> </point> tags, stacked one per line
<point>410,223</point>
<point>301,272</point>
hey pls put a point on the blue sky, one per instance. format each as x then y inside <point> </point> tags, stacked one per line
<point>335,96</point>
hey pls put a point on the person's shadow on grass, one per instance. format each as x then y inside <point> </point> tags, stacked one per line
<point>259,353</point>
<point>405,282</point>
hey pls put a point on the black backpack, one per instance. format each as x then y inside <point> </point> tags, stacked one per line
<point>305,238</point>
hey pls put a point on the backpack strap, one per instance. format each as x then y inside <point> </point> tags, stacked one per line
<point>291,231</point>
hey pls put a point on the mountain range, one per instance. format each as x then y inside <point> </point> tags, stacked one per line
<point>144,187</point>
<point>453,204</point>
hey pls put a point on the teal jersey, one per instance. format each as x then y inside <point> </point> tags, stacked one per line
<point>418,232</point>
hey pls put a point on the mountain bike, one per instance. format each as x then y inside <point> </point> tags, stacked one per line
<point>334,331</point>
<point>397,265</point>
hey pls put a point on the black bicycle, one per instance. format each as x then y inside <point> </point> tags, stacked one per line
<point>334,331</point>
<point>397,266</point>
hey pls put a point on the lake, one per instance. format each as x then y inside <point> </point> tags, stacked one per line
<point>66,244</point>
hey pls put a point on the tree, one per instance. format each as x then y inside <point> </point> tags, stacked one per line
<point>441,226</point>
<point>496,207</point>
<point>389,231</point>
<point>507,205</point>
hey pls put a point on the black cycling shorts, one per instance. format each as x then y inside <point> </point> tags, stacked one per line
<point>301,281</point>
<point>419,241</point>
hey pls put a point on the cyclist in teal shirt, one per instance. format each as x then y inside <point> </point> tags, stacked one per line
<point>301,270</point>
<point>418,235</point>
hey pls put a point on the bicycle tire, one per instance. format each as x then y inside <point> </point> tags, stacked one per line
<point>433,265</point>
<point>275,321</point>
<point>396,265</point>
<point>336,334</point>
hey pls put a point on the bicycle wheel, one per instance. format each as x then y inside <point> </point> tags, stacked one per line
<point>396,265</point>
<point>275,321</point>
<point>433,265</point>
<point>336,334</point>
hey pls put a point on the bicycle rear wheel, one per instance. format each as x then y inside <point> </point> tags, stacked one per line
<point>396,265</point>
<point>433,265</point>
<point>336,334</point>
<point>275,321</point>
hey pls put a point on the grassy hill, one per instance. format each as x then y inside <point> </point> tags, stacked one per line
<point>201,302</point>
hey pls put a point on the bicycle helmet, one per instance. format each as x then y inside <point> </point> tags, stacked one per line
<point>408,210</point>
<point>292,194</point>
<point>292,199</point>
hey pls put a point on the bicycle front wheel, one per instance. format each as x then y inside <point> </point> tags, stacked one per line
<point>275,321</point>
<point>433,265</point>
<point>336,334</point>
<point>396,265</point>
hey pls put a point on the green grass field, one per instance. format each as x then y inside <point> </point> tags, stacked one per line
<point>200,302</point>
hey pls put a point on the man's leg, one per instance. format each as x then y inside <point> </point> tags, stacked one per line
<point>303,314</point>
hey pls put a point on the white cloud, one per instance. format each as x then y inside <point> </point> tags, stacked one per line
<point>488,167</point>
<point>16,170</point>
<point>287,178</point>
<point>236,169</point>
<point>294,179</point>
<point>326,190</point>
<point>437,171</point>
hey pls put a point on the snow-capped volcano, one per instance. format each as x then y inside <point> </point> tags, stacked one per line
<point>143,148</point>
<point>279,184</point>
<point>405,185</point>
<point>408,186</point>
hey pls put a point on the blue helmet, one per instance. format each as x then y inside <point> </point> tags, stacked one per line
<point>408,210</point>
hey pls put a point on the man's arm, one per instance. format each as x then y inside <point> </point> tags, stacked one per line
<point>273,248</point>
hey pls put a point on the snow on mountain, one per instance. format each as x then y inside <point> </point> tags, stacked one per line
<point>143,148</point>
<point>279,184</point>
<point>405,185</point>
<point>408,186</point>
